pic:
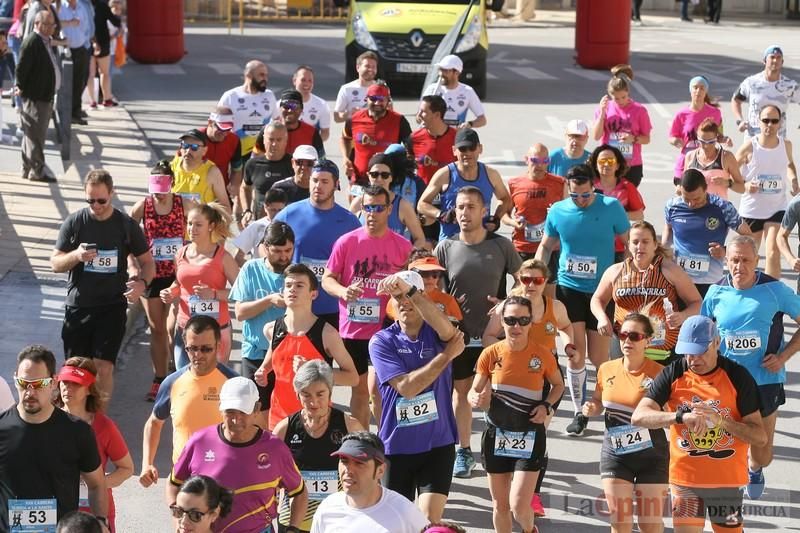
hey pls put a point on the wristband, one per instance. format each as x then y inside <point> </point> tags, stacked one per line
<point>679,415</point>
<point>548,407</point>
<point>411,292</point>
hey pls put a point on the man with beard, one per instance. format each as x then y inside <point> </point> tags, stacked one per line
<point>39,479</point>
<point>460,97</point>
<point>262,171</point>
<point>299,132</point>
<point>257,295</point>
<point>370,131</point>
<point>253,105</point>
<point>350,97</point>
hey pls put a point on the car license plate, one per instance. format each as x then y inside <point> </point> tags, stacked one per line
<point>414,68</point>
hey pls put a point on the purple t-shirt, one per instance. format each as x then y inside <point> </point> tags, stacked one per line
<point>426,421</point>
<point>357,257</point>
<point>620,121</point>
<point>262,467</point>
<point>684,127</point>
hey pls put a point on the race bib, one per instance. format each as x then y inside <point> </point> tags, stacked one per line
<point>534,232</point>
<point>517,444</point>
<point>365,310</point>
<point>695,265</point>
<point>165,249</point>
<point>743,342</point>
<point>320,483</point>
<point>356,191</point>
<point>582,266</point>
<point>38,516</point>
<point>83,495</point>
<point>104,263</point>
<point>770,184</point>
<point>418,410</point>
<point>317,266</point>
<point>629,439</point>
<point>199,306</point>
<point>474,342</point>
<point>193,196</point>
<point>615,139</point>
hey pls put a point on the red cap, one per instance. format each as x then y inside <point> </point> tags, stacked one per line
<point>378,89</point>
<point>81,376</point>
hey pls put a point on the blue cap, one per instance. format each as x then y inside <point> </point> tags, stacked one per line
<point>326,165</point>
<point>702,80</point>
<point>772,49</point>
<point>697,332</point>
<point>395,148</point>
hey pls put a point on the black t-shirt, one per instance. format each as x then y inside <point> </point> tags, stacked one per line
<point>261,174</point>
<point>101,282</point>
<point>44,461</point>
<point>294,192</point>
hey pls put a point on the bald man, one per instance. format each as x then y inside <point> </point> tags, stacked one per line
<point>252,104</point>
<point>532,195</point>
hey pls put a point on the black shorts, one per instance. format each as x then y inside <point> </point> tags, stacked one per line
<point>771,397</point>
<point>552,265</point>
<point>359,351</point>
<point>464,364</point>
<point>646,466</point>
<point>332,319</point>
<point>722,505</point>
<point>702,288</point>
<point>94,332</point>
<point>757,224</point>
<point>634,175</point>
<point>422,473</point>
<point>156,286</point>
<point>546,387</point>
<point>577,304</point>
<point>249,368</point>
<point>499,464</point>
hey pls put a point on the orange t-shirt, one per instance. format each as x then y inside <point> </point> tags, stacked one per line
<point>445,302</point>
<point>522,373</point>
<point>531,200</point>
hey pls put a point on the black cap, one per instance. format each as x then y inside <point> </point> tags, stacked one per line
<point>466,137</point>
<point>291,94</point>
<point>360,451</point>
<point>195,134</point>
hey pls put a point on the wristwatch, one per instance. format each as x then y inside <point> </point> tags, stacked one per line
<point>548,407</point>
<point>679,412</point>
<point>411,292</point>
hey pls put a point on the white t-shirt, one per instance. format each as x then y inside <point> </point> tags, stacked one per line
<point>250,237</point>
<point>316,112</point>
<point>251,112</point>
<point>6,397</point>
<point>352,96</point>
<point>760,92</point>
<point>459,100</point>
<point>392,514</point>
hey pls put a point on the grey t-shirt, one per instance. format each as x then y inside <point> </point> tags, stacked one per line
<point>476,271</point>
<point>101,281</point>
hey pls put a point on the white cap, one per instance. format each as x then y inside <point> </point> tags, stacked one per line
<point>451,62</point>
<point>577,127</point>
<point>305,151</point>
<point>412,278</point>
<point>240,394</point>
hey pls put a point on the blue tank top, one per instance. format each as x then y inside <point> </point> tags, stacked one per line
<point>394,218</point>
<point>448,197</point>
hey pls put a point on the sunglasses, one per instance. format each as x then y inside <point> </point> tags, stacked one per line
<point>514,320</point>
<point>290,106</point>
<point>536,280</point>
<point>34,384</point>
<point>635,336</point>
<point>194,516</point>
<point>709,141</point>
<point>382,175</point>
<point>770,120</point>
<point>433,274</point>
<point>464,149</point>
<point>201,349</point>
<point>581,195</point>
<point>303,163</point>
<point>376,99</point>
<point>190,146</point>
<point>539,160</point>
<point>375,208</point>
<point>101,201</point>
<point>607,161</point>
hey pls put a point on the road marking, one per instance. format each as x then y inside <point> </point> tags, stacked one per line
<point>287,69</point>
<point>713,78</point>
<point>226,69</point>
<point>655,104</point>
<point>557,128</point>
<point>654,77</point>
<point>168,70</point>
<point>588,74</point>
<point>531,73</point>
<point>490,76</point>
<point>338,67</point>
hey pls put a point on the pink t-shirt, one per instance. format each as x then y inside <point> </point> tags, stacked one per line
<point>633,119</point>
<point>357,257</point>
<point>684,127</point>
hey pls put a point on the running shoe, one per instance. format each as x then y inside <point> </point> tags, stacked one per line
<point>93,105</point>
<point>110,103</point>
<point>536,505</point>
<point>756,484</point>
<point>577,426</point>
<point>151,396</point>
<point>465,463</point>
